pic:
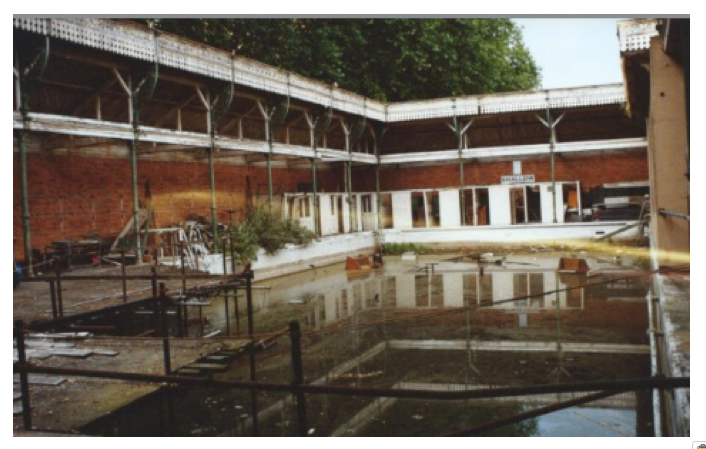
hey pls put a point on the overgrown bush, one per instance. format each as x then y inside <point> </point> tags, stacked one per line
<point>262,228</point>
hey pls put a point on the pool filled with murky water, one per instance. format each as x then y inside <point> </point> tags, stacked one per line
<point>450,326</point>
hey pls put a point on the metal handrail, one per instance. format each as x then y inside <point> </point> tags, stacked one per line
<point>667,213</point>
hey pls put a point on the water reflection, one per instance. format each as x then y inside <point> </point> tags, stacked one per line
<point>450,328</point>
<point>332,298</point>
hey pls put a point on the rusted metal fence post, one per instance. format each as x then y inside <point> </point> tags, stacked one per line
<point>123,272</point>
<point>155,303</point>
<point>237,312</point>
<point>52,295</point>
<point>59,297</point>
<point>162,301</point>
<point>248,294</point>
<point>253,392</point>
<point>24,381</point>
<point>251,351</point>
<point>225,290</point>
<point>298,371</point>
<point>183,269</point>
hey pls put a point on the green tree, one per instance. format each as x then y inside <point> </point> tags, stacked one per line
<point>385,59</point>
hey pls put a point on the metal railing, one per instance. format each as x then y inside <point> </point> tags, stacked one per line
<point>299,389</point>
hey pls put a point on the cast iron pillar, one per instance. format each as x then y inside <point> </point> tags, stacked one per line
<point>459,129</point>
<point>378,136</point>
<point>274,111</point>
<point>216,105</point>
<point>31,57</point>
<point>138,93</point>
<point>550,123</point>
<point>352,133</point>
<point>318,122</point>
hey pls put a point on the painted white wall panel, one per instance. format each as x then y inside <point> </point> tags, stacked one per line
<point>402,210</point>
<point>450,208</point>
<point>499,197</point>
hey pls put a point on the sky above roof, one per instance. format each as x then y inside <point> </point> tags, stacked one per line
<point>574,52</point>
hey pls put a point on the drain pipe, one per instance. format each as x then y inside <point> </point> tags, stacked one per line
<point>653,331</point>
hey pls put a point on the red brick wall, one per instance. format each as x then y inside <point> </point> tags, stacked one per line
<point>589,170</point>
<point>72,196</point>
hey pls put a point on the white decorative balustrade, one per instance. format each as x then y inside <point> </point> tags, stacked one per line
<point>139,42</point>
<point>635,34</point>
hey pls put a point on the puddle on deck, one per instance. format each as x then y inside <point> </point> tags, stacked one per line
<point>407,327</point>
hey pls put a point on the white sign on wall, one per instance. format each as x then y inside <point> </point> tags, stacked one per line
<point>516,179</point>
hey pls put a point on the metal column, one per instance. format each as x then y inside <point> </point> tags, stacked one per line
<point>318,122</point>
<point>550,123</point>
<point>216,105</point>
<point>274,111</point>
<point>352,133</point>
<point>459,130</point>
<point>30,67</point>
<point>138,93</point>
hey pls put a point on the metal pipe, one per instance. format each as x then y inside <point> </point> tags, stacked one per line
<point>52,295</point>
<point>162,304</point>
<point>268,136</point>
<point>135,199</point>
<point>183,269</point>
<point>24,380</point>
<point>225,290</point>
<point>26,76</point>
<point>253,392</point>
<point>25,195</point>
<point>212,178</point>
<point>608,385</point>
<point>123,273</point>
<point>298,372</point>
<point>351,209</point>
<point>314,186</point>
<point>552,145</point>
<point>59,297</point>
<point>251,352</point>
<point>655,371</point>
<point>667,213</point>
<point>315,196</point>
<point>377,192</point>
